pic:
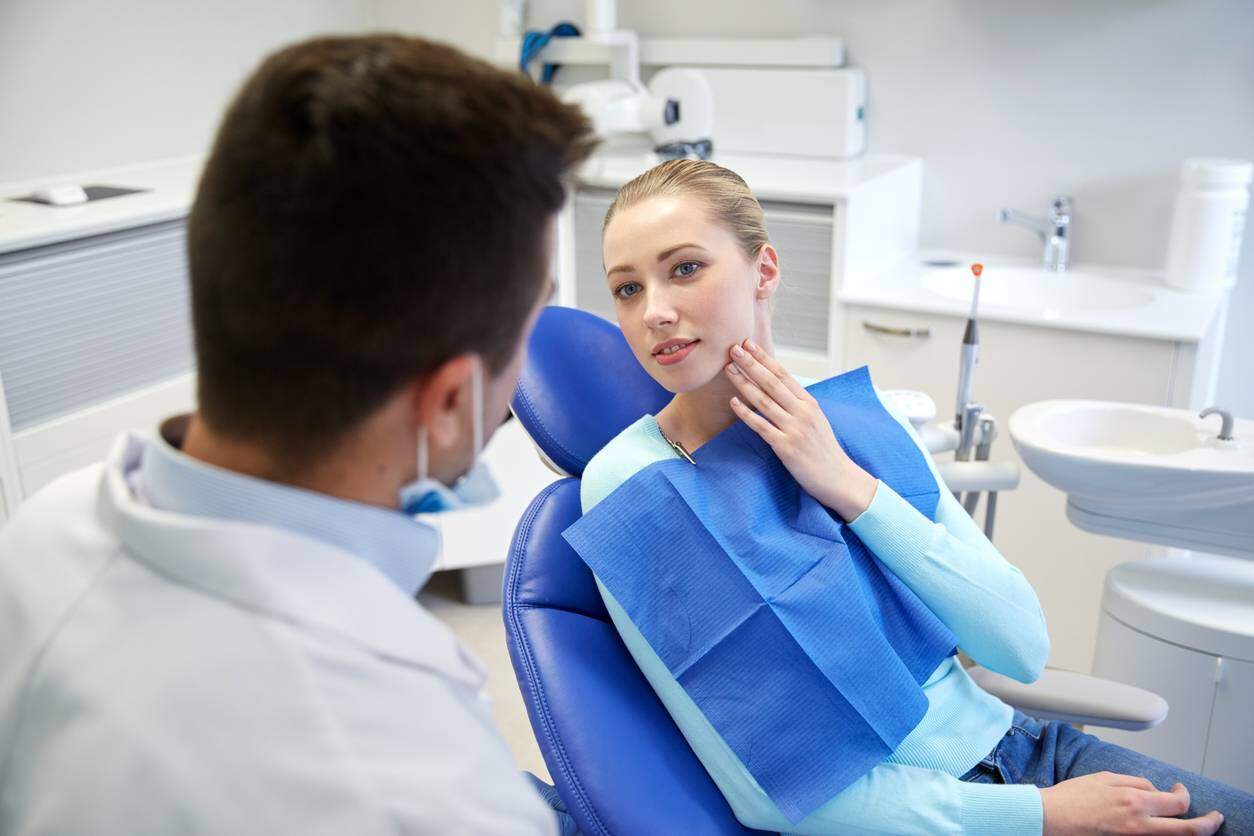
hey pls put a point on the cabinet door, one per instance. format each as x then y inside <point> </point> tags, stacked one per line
<point>1020,364</point>
<point>1230,749</point>
<point>1184,678</point>
<point>87,321</point>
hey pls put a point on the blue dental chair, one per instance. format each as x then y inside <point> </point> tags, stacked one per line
<point>617,759</point>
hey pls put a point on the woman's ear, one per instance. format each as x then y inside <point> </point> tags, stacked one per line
<point>767,272</point>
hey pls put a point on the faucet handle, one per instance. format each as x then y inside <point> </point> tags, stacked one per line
<point>1225,430</point>
<point>1060,211</point>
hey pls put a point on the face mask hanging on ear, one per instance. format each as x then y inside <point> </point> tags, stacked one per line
<point>428,495</point>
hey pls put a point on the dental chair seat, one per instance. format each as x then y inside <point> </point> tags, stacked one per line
<point>613,752</point>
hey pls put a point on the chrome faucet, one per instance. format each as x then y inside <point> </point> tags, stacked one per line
<point>1054,231</point>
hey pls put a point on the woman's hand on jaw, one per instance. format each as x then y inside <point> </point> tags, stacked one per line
<point>789,419</point>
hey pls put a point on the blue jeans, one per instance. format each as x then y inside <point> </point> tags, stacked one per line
<point>1045,753</point>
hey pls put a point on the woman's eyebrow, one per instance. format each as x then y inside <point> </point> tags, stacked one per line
<point>662,256</point>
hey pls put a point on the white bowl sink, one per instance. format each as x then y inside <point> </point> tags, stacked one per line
<point>1144,472</point>
<point>1034,289</point>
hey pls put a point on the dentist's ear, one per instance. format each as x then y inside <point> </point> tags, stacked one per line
<point>442,400</point>
<point>766,272</point>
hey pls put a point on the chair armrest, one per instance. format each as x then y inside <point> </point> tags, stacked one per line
<point>1076,698</point>
<point>979,476</point>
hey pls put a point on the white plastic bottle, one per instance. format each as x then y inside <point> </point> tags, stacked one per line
<point>1208,223</point>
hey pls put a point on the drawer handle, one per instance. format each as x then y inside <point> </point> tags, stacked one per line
<point>921,333</point>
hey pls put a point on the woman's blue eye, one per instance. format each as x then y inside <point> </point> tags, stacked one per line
<point>627,290</point>
<point>687,268</point>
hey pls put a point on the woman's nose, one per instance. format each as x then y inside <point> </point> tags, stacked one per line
<point>658,313</point>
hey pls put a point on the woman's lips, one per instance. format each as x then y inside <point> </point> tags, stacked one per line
<point>677,356</point>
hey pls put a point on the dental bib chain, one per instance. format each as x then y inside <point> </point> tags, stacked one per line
<point>676,446</point>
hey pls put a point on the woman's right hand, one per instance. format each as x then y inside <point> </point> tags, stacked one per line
<point>1106,803</point>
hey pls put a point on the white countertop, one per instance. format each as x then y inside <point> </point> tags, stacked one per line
<point>794,179</point>
<point>170,184</point>
<point>1168,315</point>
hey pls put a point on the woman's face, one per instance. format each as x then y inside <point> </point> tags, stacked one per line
<point>684,289</point>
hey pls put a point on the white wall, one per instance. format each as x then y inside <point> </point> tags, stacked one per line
<point>1011,103</point>
<point>1007,103</point>
<point>86,84</point>
<point>470,24</point>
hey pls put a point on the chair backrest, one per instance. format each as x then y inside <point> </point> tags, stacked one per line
<point>617,759</point>
<point>580,386</point>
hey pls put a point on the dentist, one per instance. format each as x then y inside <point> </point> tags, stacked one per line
<point>215,631</point>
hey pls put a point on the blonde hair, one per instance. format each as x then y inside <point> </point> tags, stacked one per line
<point>724,192</point>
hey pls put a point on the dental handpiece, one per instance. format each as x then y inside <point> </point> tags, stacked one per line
<point>970,353</point>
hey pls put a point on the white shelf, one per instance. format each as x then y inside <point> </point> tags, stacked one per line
<point>169,186</point>
<point>790,179</point>
<point>817,51</point>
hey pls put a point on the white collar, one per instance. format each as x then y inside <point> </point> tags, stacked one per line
<point>291,576</point>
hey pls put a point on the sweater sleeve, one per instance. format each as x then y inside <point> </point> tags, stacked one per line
<point>960,575</point>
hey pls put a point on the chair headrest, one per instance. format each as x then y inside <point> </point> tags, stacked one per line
<point>580,386</point>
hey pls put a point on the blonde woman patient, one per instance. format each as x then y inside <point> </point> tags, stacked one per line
<point>692,273</point>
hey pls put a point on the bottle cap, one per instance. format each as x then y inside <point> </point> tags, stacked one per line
<point>1216,172</point>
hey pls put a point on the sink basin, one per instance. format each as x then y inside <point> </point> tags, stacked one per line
<point>1145,473</point>
<point>1033,289</point>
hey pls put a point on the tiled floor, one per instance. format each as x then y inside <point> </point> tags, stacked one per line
<point>481,630</point>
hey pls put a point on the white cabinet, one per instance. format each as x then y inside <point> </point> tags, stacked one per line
<point>1230,745</point>
<point>1182,625</point>
<point>1185,678</point>
<point>1020,364</point>
<point>95,338</point>
<point>1208,728</point>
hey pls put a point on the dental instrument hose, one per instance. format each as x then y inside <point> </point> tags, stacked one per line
<point>534,42</point>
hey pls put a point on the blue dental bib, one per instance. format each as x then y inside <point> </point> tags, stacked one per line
<point>805,653</point>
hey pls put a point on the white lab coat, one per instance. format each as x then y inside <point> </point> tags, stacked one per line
<point>162,673</point>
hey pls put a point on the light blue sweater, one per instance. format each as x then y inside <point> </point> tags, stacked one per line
<point>985,601</point>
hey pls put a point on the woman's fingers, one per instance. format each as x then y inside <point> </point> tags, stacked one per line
<point>756,422</point>
<point>753,395</point>
<point>1170,804</point>
<point>1200,826</point>
<point>1118,779</point>
<point>776,368</point>
<point>767,380</point>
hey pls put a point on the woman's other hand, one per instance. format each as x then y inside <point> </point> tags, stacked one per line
<point>789,419</point>
<point>1106,802</point>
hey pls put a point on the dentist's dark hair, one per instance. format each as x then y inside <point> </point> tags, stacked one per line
<point>372,207</point>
